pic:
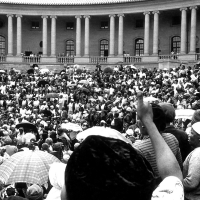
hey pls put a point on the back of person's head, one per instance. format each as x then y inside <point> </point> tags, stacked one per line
<point>169,112</point>
<point>34,192</point>
<point>158,117</point>
<point>196,117</point>
<point>108,169</point>
<point>116,115</point>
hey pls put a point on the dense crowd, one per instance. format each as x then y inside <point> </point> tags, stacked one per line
<point>45,102</point>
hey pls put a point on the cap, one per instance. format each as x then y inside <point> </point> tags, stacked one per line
<point>129,132</point>
<point>196,127</point>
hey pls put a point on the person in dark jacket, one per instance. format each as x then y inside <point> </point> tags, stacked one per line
<point>117,123</point>
<point>180,135</point>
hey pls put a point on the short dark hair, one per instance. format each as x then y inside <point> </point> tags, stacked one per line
<point>159,117</point>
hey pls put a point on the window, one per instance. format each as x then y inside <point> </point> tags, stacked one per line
<point>104,48</point>
<point>175,44</point>
<point>35,25</point>
<point>69,48</point>
<point>104,25</point>
<point>69,25</point>
<point>139,23</point>
<point>1,24</point>
<point>2,45</point>
<point>176,20</point>
<point>139,47</point>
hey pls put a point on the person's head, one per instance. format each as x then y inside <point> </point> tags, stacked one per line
<point>169,112</point>
<point>107,168</point>
<point>158,119</point>
<point>194,136</point>
<point>34,192</point>
<point>196,117</point>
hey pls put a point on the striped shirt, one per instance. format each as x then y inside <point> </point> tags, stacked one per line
<point>146,148</point>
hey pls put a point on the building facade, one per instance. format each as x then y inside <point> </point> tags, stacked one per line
<point>141,32</point>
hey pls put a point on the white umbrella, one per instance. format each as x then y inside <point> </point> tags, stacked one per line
<point>130,66</point>
<point>184,113</point>
<point>151,99</point>
<point>71,126</point>
<point>101,131</point>
<point>42,71</point>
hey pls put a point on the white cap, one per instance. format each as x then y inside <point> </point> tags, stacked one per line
<point>196,127</point>
<point>129,132</point>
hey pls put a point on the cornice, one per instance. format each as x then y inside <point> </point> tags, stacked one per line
<point>92,10</point>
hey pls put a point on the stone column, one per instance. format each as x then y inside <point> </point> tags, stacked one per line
<point>146,33</point>
<point>87,35</point>
<point>112,35</point>
<point>10,35</point>
<point>44,35</point>
<point>78,35</point>
<point>193,29</point>
<point>183,30</point>
<point>120,35</point>
<point>155,32</point>
<point>53,35</point>
<point>19,35</point>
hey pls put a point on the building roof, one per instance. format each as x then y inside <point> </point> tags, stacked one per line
<point>66,2</point>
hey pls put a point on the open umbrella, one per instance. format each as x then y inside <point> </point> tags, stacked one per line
<point>102,131</point>
<point>151,99</point>
<point>27,166</point>
<point>27,125</point>
<point>71,126</point>
<point>43,71</point>
<point>184,113</point>
<point>42,83</point>
<point>130,66</point>
<point>52,95</point>
<point>30,71</point>
<point>84,90</point>
<point>2,71</point>
<point>85,82</point>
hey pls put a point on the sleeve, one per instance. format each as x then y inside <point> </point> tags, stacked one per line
<point>170,188</point>
<point>192,179</point>
<point>179,158</point>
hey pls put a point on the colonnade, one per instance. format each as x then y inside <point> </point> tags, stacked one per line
<point>112,17</point>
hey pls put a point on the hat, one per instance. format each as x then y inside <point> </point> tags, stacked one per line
<point>196,127</point>
<point>128,109</point>
<point>129,132</point>
<point>169,111</point>
<point>34,192</point>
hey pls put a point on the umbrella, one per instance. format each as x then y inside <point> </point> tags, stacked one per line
<point>43,71</point>
<point>102,131</point>
<point>71,126</point>
<point>27,166</point>
<point>42,83</point>
<point>2,71</point>
<point>184,113</point>
<point>27,125</point>
<point>30,71</point>
<point>84,90</point>
<point>52,95</point>
<point>151,99</point>
<point>85,82</point>
<point>130,66</point>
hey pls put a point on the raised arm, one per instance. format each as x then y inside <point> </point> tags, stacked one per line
<point>166,161</point>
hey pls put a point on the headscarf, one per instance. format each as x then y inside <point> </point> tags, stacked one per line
<point>109,169</point>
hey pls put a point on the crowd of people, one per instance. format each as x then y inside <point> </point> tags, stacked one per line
<point>45,102</point>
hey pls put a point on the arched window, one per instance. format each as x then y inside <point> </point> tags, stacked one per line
<point>2,45</point>
<point>104,48</point>
<point>70,48</point>
<point>139,47</point>
<point>175,44</point>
